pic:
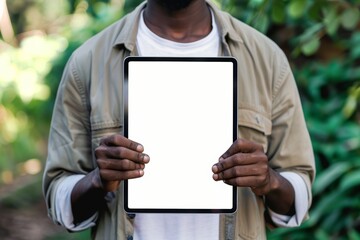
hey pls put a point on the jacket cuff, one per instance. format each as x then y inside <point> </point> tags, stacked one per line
<point>301,203</point>
<point>63,210</point>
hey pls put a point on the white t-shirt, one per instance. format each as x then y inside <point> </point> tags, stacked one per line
<point>151,45</point>
<point>177,226</point>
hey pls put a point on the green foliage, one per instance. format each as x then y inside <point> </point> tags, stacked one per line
<point>85,235</point>
<point>31,73</point>
<point>23,119</point>
<point>310,20</point>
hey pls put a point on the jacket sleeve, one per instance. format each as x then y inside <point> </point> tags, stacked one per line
<point>290,148</point>
<point>69,146</point>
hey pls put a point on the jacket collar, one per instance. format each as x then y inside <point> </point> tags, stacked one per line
<point>223,20</point>
<point>127,36</point>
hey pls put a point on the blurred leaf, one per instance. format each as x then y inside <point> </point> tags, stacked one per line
<point>277,11</point>
<point>355,52</point>
<point>311,31</point>
<point>321,234</point>
<point>352,101</point>
<point>350,106</point>
<point>331,20</point>
<point>256,3</point>
<point>309,40</point>
<point>315,10</point>
<point>324,205</point>
<point>261,22</point>
<point>351,180</point>
<point>311,46</point>
<point>335,71</point>
<point>354,235</point>
<point>315,85</point>
<point>329,176</point>
<point>350,18</point>
<point>347,131</point>
<point>297,8</point>
<point>355,45</point>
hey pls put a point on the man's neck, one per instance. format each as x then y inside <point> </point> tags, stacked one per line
<point>185,25</point>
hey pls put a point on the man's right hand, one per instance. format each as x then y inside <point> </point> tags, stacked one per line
<point>118,159</point>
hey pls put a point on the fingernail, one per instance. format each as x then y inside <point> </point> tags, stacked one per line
<point>141,172</point>
<point>221,158</point>
<point>146,158</point>
<point>215,169</point>
<point>139,148</point>
<point>215,177</point>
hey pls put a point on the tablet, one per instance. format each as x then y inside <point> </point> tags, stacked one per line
<point>184,112</point>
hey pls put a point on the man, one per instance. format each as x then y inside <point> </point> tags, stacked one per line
<point>271,163</point>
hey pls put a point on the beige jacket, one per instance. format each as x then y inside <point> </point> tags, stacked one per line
<point>89,106</point>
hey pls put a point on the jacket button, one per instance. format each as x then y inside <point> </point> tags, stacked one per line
<point>131,215</point>
<point>129,237</point>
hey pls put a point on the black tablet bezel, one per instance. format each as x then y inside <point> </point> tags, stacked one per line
<point>234,123</point>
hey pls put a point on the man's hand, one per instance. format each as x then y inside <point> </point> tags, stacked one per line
<point>118,159</point>
<point>245,164</point>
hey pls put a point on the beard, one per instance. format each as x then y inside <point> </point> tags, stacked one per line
<point>174,5</point>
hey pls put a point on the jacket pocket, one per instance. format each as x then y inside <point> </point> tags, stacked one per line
<point>254,126</point>
<point>250,220</point>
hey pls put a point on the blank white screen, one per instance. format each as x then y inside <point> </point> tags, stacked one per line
<point>182,113</point>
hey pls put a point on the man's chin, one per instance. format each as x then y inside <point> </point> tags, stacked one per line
<point>174,5</point>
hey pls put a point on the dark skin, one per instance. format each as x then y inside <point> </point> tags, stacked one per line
<point>244,164</point>
<point>185,25</point>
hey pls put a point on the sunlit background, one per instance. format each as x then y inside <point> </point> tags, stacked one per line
<point>320,37</point>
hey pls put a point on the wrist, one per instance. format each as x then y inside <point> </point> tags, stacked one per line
<point>281,195</point>
<point>87,196</point>
<point>275,182</point>
<point>103,186</point>
<point>96,181</point>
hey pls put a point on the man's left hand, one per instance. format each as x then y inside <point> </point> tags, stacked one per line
<point>245,164</point>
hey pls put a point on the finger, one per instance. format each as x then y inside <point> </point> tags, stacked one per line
<point>240,159</point>
<point>241,146</point>
<point>104,151</point>
<point>112,175</point>
<point>255,182</point>
<point>119,140</point>
<point>122,165</point>
<point>241,171</point>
